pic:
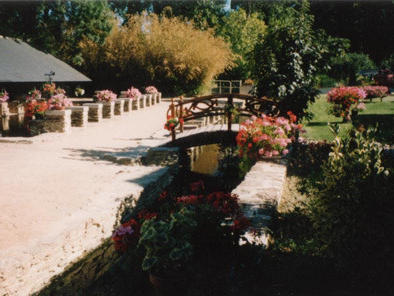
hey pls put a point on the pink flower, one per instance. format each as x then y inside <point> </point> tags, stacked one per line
<point>264,137</point>
<point>268,153</point>
<point>284,152</point>
<point>361,106</point>
<point>151,90</point>
<point>133,93</point>
<point>275,152</point>
<point>279,131</point>
<point>261,151</point>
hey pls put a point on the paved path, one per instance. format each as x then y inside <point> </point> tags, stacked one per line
<point>59,193</point>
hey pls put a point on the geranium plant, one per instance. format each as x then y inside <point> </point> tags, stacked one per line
<point>59,102</point>
<point>105,96</point>
<point>48,90</point>
<point>181,228</point>
<point>265,136</point>
<point>151,90</point>
<point>346,99</point>
<point>172,123</point>
<point>3,96</point>
<point>35,108</point>
<point>133,93</point>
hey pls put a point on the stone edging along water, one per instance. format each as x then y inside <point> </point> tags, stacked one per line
<point>259,195</point>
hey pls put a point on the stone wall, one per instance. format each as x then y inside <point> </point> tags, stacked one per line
<point>55,121</point>
<point>259,196</point>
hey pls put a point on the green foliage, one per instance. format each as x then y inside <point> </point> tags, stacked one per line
<point>286,61</point>
<point>388,63</point>
<point>347,67</point>
<point>351,209</point>
<point>168,243</point>
<point>58,27</point>
<point>156,50</point>
<point>243,32</point>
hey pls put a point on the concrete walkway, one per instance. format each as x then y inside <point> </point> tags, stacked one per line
<point>59,193</point>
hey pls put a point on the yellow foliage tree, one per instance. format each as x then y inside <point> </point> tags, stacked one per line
<point>169,53</point>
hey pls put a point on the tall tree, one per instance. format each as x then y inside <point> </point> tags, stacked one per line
<point>243,32</point>
<point>287,60</point>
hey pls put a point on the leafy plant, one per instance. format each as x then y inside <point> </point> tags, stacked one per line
<point>351,206</point>
<point>286,61</point>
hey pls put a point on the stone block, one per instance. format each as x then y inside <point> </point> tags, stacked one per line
<point>161,156</point>
<point>95,113</point>
<point>135,103</point>
<point>109,109</point>
<point>141,100</point>
<point>55,121</point>
<point>158,97</point>
<point>4,109</point>
<point>119,106</point>
<point>128,105</point>
<point>79,115</point>
<point>153,99</point>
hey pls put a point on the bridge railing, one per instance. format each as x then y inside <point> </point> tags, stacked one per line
<point>219,104</point>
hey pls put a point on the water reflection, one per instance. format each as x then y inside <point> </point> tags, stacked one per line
<point>204,159</point>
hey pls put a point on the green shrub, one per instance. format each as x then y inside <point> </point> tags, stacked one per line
<point>352,207</point>
<point>156,50</point>
<point>286,61</point>
<point>347,67</point>
<point>388,63</point>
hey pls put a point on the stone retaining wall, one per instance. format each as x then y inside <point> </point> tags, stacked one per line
<point>259,196</point>
<point>95,113</point>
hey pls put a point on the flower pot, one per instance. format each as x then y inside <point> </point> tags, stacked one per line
<point>170,285</point>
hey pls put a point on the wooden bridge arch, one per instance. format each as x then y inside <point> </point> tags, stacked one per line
<point>219,104</point>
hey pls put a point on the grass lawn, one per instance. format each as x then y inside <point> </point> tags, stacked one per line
<point>376,112</point>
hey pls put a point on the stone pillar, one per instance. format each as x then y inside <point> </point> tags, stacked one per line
<point>153,98</point>
<point>119,106</point>
<point>135,103</point>
<point>141,100</point>
<point>4,116</point>
<point>158,97</point>
<point>109,109</point>
<point>95,113</point>
<point>79,115</point>
<point>128,105</point>
<point>147,100</point>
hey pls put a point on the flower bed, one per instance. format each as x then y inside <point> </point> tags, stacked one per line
<point>178,230</point>
<point>375,91</point>
<point>346,99</point>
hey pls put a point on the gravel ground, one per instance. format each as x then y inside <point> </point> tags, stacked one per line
<point>59,193</point>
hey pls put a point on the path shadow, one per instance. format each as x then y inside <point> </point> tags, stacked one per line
<point>125,155</point>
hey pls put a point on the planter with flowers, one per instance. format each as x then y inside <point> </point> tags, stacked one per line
<point>107,98</point>
<point>47,115</point>
<point>265,138</point>
<point>153,92</point>
<point>346,101</point>
<point>135,95</point>
<point>171,124</point>
<point>181,234</point>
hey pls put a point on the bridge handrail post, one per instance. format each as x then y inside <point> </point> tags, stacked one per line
<point>181,113</point>
<point>229,113</point>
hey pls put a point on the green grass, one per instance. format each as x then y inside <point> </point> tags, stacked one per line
<point>376,112</point>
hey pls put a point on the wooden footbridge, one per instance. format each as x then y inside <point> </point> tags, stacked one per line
<point>212,119</point>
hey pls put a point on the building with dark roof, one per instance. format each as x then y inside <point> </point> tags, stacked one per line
<point>23,67</point>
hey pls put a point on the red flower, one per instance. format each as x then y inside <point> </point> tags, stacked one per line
<point>163,196</point>
<point>241,223</point>
<point>196,186</point>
